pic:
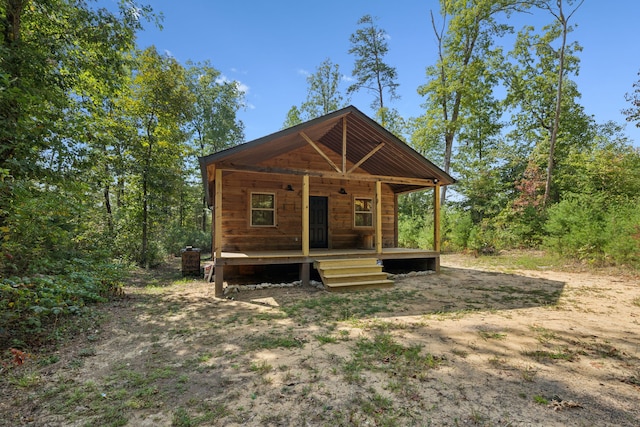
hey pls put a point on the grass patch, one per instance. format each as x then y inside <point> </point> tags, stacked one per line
<point>491,335</point>
<point>203,413</point>
<point>540,400</point>
<point>543,335</point>
<point>525,260</point>
<point>562,353</point>
<point>355,305</point>
<point>384,354</point>
<point>326,339</point>
<point>261,368</point>
<point>271,341</point>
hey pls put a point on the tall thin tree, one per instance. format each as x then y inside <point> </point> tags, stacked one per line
<point>563,20</point>
<point>369,46</point>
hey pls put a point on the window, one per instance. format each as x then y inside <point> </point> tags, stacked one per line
<point>362,212</point>
<point>263,210</point>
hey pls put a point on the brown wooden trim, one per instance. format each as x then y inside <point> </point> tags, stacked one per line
<point>315,147</point>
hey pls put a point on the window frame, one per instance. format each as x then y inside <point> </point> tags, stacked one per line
<point>252,209</point>
<point>362,212</point>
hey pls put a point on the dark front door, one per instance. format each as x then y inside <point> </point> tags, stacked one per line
<point>318,228</point>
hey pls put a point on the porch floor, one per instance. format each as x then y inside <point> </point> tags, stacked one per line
<point>296,256</point>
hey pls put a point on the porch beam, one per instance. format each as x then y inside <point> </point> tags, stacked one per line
<point>233,167</point>
<point>217,236</point>
<point>378,217</point>
<point>315,147</point>
<point>366,157</point>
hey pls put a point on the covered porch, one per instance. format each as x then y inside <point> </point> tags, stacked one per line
<point>429,258</point>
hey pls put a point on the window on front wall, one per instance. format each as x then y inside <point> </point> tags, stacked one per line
<point>263,209</point>
<point>362,212</point>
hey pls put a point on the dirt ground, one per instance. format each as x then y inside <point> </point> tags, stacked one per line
<point>473,345</point>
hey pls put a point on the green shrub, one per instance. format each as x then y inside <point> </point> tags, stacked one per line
<point>595,228</point>
<point>29,305</point>
<point>415,231</point>
<point>457,228</point>
<point>177,238</point>
<point>623,230</point>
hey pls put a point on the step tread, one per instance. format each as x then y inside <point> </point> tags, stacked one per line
<point>349,275</point>
<point>350,261</point>
<point>374,284</point>
<point>352,267</point>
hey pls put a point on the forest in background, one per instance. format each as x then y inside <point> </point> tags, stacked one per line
<point>99,140</point>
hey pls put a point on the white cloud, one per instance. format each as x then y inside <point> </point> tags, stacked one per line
<point>235,70</point>
<point>347,79</point>
<point>303,72</point>
<point>241,86</point>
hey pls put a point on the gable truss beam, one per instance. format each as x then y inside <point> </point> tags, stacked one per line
<point>344,144</point>
<point>315,147</point>
<point>366,157</point>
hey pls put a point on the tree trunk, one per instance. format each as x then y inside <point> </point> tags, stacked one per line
<point>144,259</point>
<point>556,120</point>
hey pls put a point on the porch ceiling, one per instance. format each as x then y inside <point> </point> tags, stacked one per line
<point>394,159</point>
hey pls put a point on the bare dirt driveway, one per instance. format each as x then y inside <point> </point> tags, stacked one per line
<point>473,345</point>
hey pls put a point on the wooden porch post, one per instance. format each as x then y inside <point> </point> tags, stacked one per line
<point>378,217</point>
<point>217,235</point>
<point>305,215</point>
<point>305,267</point>
<point>436,218</point>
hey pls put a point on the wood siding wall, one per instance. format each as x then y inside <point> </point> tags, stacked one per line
<point>239,235</point>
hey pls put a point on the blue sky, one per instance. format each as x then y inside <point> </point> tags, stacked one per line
<point>271,46</point>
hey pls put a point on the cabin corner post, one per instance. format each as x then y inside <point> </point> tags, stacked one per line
<point>217,234</point>
<point>436,218</point>
<point>305,215</point>
<point>378,217</point>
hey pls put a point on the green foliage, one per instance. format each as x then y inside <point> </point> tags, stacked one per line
<point>633,112</point>
<point>31,305</point>
<point>595,228</point>
<point>323,95</point>
<point>369,46</point>
<point>457,227</point>
<point>415,231</point>
<point>178,238</point>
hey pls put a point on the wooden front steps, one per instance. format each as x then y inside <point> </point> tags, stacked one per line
<point>352,274</point>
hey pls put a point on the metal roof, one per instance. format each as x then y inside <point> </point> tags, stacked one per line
<point>394,159</point>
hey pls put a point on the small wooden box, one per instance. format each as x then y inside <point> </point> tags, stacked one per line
<point>190,262</point>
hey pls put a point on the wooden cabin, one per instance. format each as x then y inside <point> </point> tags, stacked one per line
<point>325,191</point>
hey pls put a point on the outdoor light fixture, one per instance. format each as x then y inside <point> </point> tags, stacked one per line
<point>342,191</point>
<point>289,187</point>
